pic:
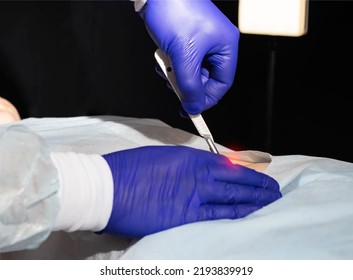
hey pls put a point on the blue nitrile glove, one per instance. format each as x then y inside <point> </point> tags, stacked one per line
<point>202,44</point>
<point>160,187</point>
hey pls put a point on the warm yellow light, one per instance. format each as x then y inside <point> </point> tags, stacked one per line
<point>273,17</point>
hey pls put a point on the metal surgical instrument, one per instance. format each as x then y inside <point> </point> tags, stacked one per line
<point>201,126</point>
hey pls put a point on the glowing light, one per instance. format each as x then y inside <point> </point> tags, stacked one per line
<point>273,17</point>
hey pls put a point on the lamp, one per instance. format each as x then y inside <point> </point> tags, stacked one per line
<point>272,18</point>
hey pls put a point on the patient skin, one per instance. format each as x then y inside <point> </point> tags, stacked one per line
<point>258,166</point>
<point>8,112</point>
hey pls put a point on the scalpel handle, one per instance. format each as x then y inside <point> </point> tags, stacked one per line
<point>166,66</point>
<point>211,145</point>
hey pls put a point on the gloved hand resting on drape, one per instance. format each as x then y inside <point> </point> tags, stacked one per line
<point>202,44</point>
<point>156,188</point>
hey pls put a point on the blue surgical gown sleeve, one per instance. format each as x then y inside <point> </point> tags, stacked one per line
<point>28,189</point>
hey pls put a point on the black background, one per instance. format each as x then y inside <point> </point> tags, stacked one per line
<point>72,58</point>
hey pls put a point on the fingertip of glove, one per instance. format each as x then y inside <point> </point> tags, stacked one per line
<point>183,113</point>
<point>275,196</point>
<point>271,183</point>
<point>192,108</point>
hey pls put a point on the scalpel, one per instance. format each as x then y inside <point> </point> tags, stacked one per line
<point>201,126</point>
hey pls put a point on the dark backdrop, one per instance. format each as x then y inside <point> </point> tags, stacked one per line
<point>71,58</point>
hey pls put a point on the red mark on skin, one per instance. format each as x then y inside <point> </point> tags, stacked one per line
<point>232,156</point>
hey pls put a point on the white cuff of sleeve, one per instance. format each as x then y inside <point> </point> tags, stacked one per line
<point>139,4</point>
<point>86,191</point>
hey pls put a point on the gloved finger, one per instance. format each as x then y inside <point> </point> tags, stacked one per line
<point>220,79</point>
<point>216,212</point>
<point>183,113</point>
<point>187,71</point>
<point>235,173</point>
<point>225,74</point>
<point>201,80</point>
<point>204,74</point>
<point>227,193</point>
